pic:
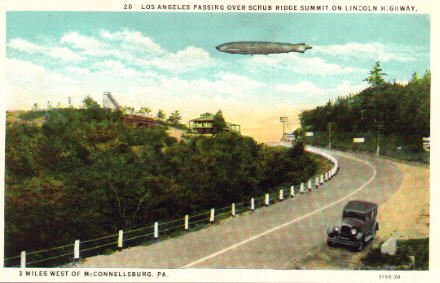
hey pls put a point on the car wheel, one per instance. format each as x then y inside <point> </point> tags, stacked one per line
<point>330,243</point>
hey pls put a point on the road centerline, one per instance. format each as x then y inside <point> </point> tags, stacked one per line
<point>291,221</point>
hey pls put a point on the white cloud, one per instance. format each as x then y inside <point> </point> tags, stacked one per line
<point>188,59</point>
<point>347,87</point>
<point>79,71</point>
<point>239,82</point>
<point>299,64</point>
<point>131,47</point>
<point>31,83</point>
<point>25,46</point>
<point>224,85</point>
<point>134,42</point>
<point>372,51</point>
<point>142,51</point>
<point>90,44</point>
<point>304,87</point>
<point>62,53</point>
<point>116,69</point>
<point>319,66</point>
<point>136,39</point>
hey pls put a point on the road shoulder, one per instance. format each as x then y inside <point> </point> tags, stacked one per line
<point>405,215</point>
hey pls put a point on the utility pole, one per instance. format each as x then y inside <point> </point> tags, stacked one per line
<point>329,135</point>
<point>378,144</point>
<point>283,120</point>
<point>379,131</point>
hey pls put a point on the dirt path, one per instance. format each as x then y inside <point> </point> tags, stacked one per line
<point>405,215</point>
<point>176,133</point>
<point>409,207</point>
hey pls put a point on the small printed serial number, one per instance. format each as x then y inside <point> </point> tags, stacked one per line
<point>389,276</point>
<point>128,6</point>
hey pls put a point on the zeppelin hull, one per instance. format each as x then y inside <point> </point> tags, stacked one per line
<point>261,47</point>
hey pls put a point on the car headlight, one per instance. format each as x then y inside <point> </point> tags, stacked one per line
<point>336,229</point>
<point>353,231</point>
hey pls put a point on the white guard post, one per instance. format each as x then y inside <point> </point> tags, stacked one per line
<point>120,239</point>
<point>76,250</point>
<point>186,222</point>
<point>252,204</point>
<point>266,199</point>
<point>23,259</point>
<point>309,184</point>
<point>211,217</point>
<point>156,230</point>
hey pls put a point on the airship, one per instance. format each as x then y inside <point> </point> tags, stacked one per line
<point>261,47</point>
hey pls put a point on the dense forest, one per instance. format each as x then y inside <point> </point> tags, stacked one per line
<point>83,173</point>
<point>397,114</point>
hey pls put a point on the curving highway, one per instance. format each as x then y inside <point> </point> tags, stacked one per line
<point>270,237</point>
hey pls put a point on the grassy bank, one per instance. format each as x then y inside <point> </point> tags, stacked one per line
<point>418,249</point>
<point>391,146</point>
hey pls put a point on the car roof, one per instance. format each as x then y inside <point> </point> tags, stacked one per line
<point>360,206</point>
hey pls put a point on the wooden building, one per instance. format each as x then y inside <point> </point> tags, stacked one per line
<point>138,121</point>
<point>203,125</point>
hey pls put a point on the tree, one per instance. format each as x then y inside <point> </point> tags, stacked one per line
<point>376,76</point>
<point>161,114</point>
<point>219,123</point>
<point>175,117</point>
<point>128,109</point>
<point>90,103</point>
<point>146,110</point>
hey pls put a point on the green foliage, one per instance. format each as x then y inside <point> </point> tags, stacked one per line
<point>400,114</point>
<point>146,110</point>
<point>175,117</point>
<point>128,109</point>
<point>219,123</point>
<point>32,115</point>
<point>161,114</point>
<point>84,173</point>
<point>376,76</point>
<point>419,248</point>
<point>90,103</point>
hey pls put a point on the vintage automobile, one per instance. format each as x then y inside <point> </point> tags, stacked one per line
<point>358,225</point>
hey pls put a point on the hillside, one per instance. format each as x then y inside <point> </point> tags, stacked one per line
<point>84,173</point>
<point>393,115</point>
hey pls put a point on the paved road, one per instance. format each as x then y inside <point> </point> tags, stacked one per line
<point>270,237</point>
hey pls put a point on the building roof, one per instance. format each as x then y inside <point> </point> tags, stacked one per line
<point>204,117</point>
<point>360,206</point>
<point>138,118</point>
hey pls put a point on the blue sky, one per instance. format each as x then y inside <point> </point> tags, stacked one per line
<point>169,61</point>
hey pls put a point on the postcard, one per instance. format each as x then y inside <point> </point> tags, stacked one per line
<point>202,141</point>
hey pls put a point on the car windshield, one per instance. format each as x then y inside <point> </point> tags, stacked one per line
<point>352,214</point>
